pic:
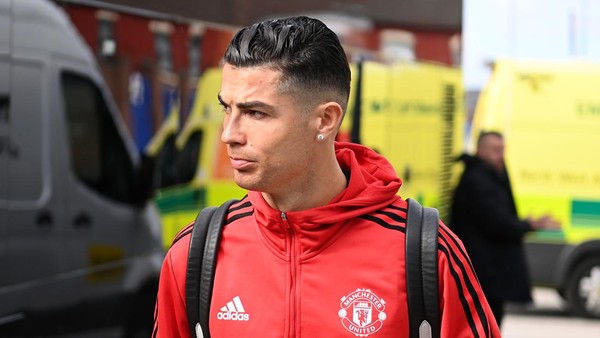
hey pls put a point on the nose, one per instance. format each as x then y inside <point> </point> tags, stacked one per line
<point>232,129</point>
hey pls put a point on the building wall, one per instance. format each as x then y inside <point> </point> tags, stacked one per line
<point>434,46</point>
<point>171,83</point>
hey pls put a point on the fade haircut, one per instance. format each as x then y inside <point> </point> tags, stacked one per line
<point>308,54</point>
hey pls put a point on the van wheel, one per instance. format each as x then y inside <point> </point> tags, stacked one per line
<point>141,318</point>
<point>583,288</point>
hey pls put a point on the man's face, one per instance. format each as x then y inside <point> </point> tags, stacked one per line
<point>270,142</point>
<point>491,150</point>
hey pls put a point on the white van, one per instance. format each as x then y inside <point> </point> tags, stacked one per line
<point>80,246</point>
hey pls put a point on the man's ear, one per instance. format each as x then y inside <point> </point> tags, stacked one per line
<point>330,118</point>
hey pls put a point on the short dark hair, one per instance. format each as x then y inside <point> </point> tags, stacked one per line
<point>308,54</point>
<point>485,134</point>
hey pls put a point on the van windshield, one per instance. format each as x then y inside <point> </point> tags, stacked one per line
<point>99,158</point>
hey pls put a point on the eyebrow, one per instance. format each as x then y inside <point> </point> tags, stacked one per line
<point>246,105</point>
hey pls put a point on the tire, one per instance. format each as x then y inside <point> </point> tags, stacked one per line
<point>141,321</point>
<point>583,288</point>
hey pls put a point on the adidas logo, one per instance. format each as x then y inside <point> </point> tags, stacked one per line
<point>234,310</point>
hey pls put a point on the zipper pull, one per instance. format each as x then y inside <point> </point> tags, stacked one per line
<point>284,216</point>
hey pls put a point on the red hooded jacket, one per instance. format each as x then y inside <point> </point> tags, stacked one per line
<point>332,271</point>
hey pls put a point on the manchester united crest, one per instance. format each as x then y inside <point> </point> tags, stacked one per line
<point>362,312</point>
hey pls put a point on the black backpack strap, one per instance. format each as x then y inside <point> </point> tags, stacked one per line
<point>192,278</point>
<point>200,274</point>
<point>422,270</point>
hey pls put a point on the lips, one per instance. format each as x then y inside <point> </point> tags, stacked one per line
<point>240,163</point>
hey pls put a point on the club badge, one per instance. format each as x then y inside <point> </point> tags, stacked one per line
<point>362,312</point>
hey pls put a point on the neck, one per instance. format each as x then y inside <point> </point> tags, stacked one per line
<point>317,189</point>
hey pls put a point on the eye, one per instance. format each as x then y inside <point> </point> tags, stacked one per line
<point>255,114</point>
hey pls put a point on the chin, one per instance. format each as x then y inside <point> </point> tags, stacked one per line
<point>246,182</point>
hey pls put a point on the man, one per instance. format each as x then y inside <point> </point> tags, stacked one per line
<point>316,249</point>
<point>485,218</point>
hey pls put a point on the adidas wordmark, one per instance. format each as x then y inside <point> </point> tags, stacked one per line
<point>234,310</point>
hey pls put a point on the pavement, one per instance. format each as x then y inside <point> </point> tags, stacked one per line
<point>548,318</point>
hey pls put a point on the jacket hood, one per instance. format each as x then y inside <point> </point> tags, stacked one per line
<point>373,184</point>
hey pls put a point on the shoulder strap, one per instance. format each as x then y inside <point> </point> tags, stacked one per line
<point>200,274</point>
<point>196,250</point>
<point>422,270</point>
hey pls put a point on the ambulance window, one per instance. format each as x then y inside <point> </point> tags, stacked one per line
<point>25,139</point>
<point>187,160</point>
<point>98,155</point>
<point>166,171</point>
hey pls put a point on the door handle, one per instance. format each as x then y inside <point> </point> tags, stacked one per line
<point>44,219</point>
<point>82,220</point>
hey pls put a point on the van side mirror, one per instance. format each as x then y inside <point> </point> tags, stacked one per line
<point>144,187</point>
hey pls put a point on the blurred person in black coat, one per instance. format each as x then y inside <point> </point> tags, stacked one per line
<point>485,218</point>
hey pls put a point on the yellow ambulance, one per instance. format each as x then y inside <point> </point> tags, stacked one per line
<point>413,114</point>
<point>549,113</point>
<point>203,174</point>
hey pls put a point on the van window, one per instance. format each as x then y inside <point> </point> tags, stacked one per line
<point>25,139</point>
<point>4,127</point>
<point>99,158</point>
<point>4,146</point>
<point>3,108</point>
